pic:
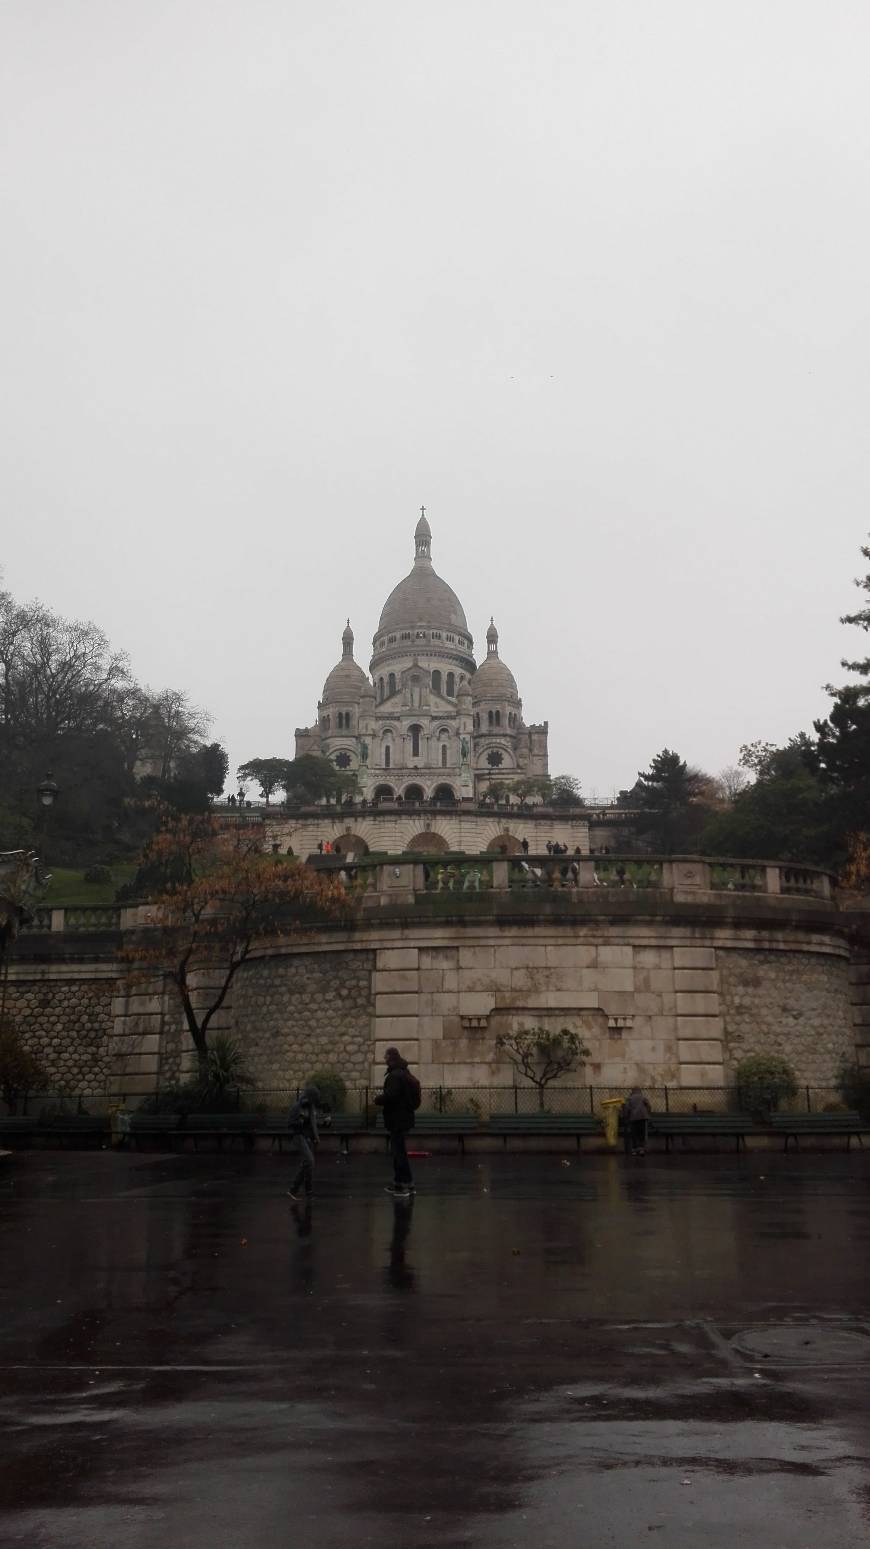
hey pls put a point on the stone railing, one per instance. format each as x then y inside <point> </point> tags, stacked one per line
<point>377,879</point>
<point>76,918</point>
<point>681,876</point>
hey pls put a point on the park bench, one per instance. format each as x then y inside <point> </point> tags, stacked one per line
<point>685,1125</point>
<point>792,1125</point>
<point>430,1126</point>
<point>16,1128</point>
<point>69,1127</point>
<point>574,1125</point>
<point>148,1125</point>
<point>221,1127</point>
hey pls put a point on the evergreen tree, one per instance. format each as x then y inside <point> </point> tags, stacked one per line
<point>843,747</point>
<point>665,793</point>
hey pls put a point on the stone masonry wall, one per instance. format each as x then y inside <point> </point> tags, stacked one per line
<point>294,1015</point>
<point>67,1024</point>
<point>794,1004</point>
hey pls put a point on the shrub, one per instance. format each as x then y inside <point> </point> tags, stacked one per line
<point>20,1071</point>
<point>332,1088</point>
<point>763,1082</point>
<point>98,874</point>
<point>854,1083</point>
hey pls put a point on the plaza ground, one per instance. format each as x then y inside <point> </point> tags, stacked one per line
<point>671,1352</point>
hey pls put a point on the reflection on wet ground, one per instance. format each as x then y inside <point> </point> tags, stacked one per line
<point>674,1350</point>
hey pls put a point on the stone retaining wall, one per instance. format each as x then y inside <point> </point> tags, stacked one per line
<point>67,1023</point>
<point>793,1004</point>
<point>294,1015</point>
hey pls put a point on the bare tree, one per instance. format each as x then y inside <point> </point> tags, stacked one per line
<point>540,1055</point>
<point>732,780</point>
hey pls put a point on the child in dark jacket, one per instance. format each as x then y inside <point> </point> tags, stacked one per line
<point>302,1122</point>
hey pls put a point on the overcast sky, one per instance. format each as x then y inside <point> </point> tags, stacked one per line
<point>588,279</point>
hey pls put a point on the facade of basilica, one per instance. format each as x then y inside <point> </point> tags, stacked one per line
<point>428,724</point>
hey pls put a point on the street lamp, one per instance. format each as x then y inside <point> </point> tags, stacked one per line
<point>47,790</point>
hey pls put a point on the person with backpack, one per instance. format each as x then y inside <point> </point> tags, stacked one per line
<point>399,1102</point>
<point>302,1123</point>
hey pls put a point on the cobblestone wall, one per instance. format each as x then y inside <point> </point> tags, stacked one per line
<point>297,1014</point>
<point>67,1024</point>
<point>795,1004</point>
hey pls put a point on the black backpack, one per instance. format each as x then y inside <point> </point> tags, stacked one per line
<point>415,1091</point>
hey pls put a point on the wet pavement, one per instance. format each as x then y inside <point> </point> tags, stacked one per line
<point>672,1352</point>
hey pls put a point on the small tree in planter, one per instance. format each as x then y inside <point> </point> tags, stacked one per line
<point>541,1056</point>
<point>764,1081</point>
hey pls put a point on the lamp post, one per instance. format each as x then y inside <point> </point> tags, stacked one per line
<point>47,792</point>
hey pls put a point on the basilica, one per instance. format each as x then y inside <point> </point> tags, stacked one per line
<point>428,724</point>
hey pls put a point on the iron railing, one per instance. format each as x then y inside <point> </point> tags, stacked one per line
<point>480,1101</point>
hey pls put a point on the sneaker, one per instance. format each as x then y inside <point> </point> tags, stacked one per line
<point>396,1192</point>
<point>296,1198</point>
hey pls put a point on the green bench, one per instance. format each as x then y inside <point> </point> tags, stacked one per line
<point>575,1125</point>
<point>148,1126</point>
<point>74,1127</point>
<point>735,1126</point>
<point>792,1125</point>
<point>17,1128</point>
<point>431,1126</point>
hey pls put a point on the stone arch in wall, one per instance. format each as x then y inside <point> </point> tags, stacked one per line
<point>504,844</point>
<point>383,793</point>
<point>444,793</point>
<point>414,795</point>
<point>350,844</point>
<point>427,843</point>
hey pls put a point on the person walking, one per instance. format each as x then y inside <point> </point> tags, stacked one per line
<point>525,846</point>
<point>399,1101</point>
<point>636,1113</point>
<point>302,1123</point>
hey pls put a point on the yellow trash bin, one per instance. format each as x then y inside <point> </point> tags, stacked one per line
<point>611,1107</point>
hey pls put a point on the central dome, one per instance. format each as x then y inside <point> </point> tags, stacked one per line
<point>422,597</point>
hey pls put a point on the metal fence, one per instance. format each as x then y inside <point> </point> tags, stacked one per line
<point>481,1102</point>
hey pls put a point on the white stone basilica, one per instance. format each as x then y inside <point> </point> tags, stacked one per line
<point>429,724</point>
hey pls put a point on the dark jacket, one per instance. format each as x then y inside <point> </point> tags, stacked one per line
<point>302,1119</point>
<point>397,1102</point>
<point>636,1109</point>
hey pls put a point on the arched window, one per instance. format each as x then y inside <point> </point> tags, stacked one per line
<point>451,685</point>
<point>491,718</point>
<point>388,755</point>
<point>325,723</point>
<point>444,755</point>
<point>380,688</point>
<point>436,681</point>
<point>498,717</point>
<point>415,741</point>
<point>392,682</point>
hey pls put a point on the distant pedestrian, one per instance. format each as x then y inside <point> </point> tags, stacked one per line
<point>302,1123</point>
<point>525,846</point>
<point>320,846</point>
<point>636,1113</point>
<point>549,847</point>
<point>399,1101</point>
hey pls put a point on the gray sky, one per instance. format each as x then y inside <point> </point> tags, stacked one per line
<point>588,279</point>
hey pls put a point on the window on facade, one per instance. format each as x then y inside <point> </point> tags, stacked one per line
<point>342,760</point>
<point>388,755</point>
<point>444,755</point>
<point>415,741</point>
<point>494,758</point>
<point>491,718</point>
<point>325,723</point>
<point>380,688</point>
<point>392,682</point>
<point>436,681</point>
<point>498,717</point>
<point>451,685</point>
